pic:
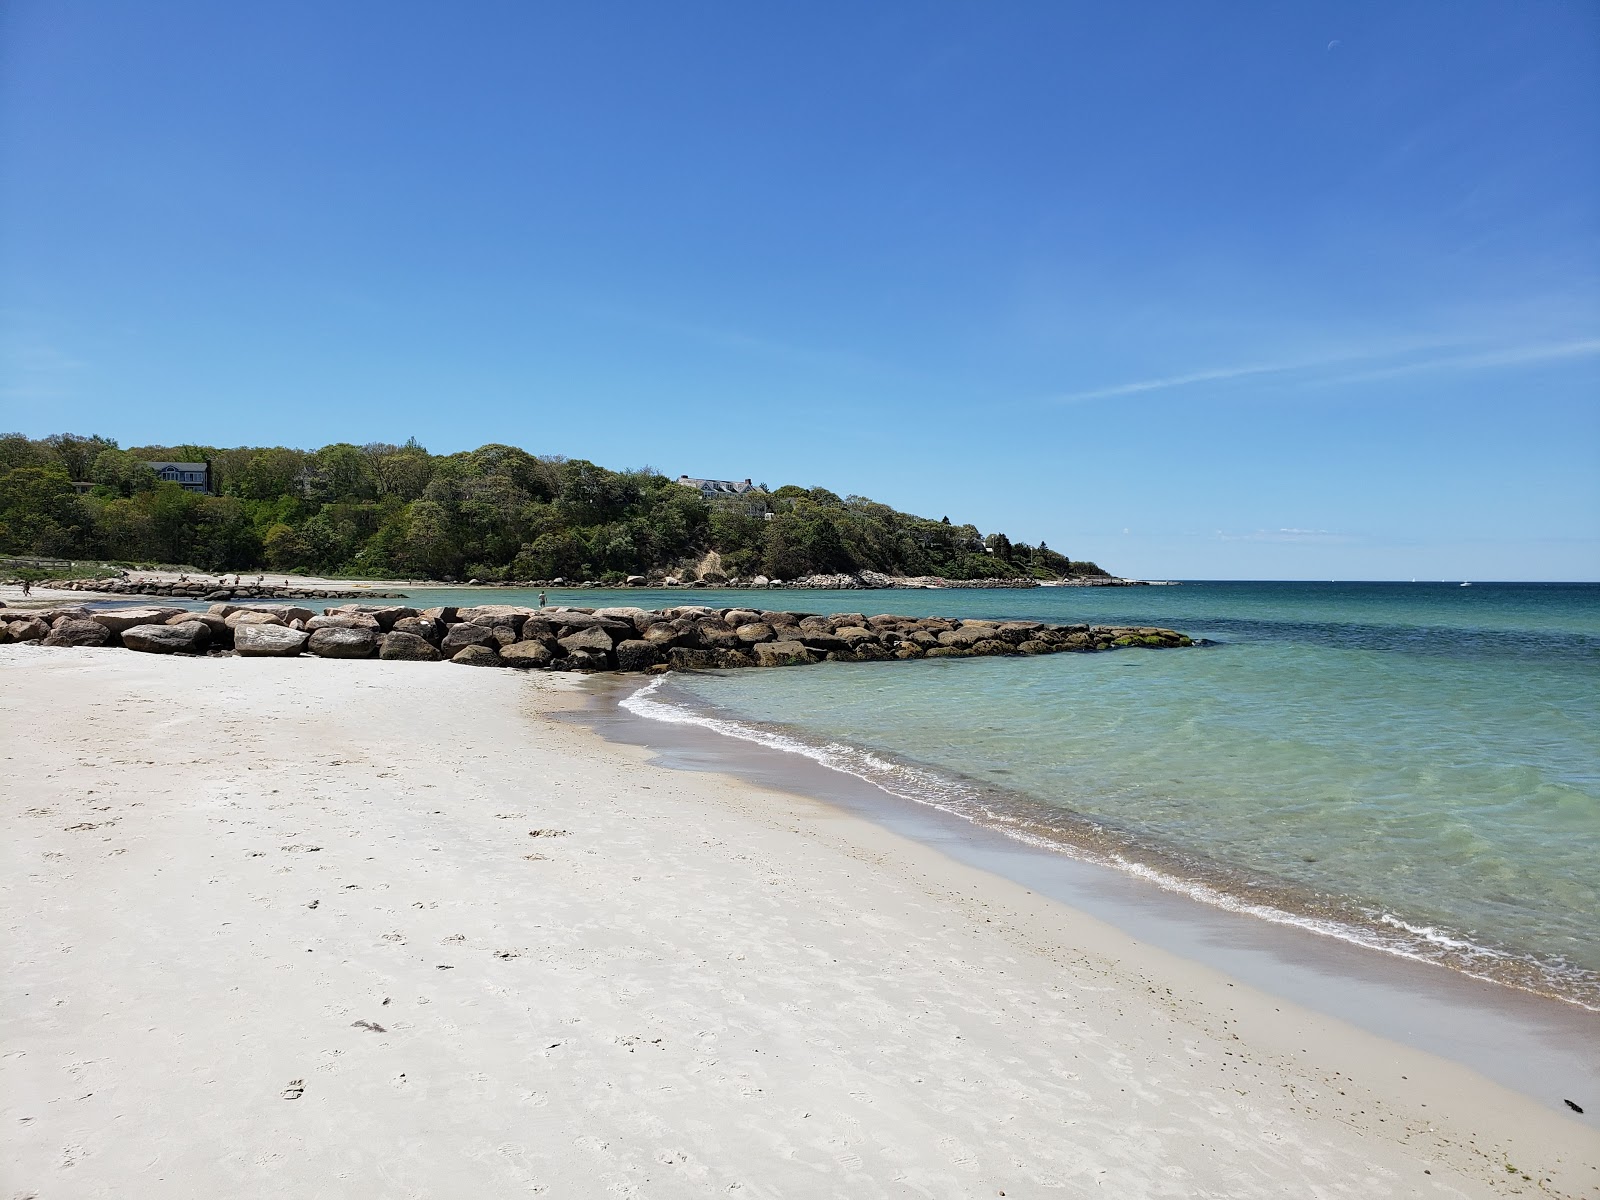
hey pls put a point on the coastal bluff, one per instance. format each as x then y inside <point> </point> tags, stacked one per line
<point>688,637</point>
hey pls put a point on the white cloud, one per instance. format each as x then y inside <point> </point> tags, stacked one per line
<point>1483,360</point>
<point>1316,537</point>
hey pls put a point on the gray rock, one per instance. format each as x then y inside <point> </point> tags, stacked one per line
<point>639,655</point>
<point>464,634</point>
<point>343,620</point>
<point>685,658</point>
<point>752,632</point>
<point>400,646</point>
<point>343,643</point>
<point>423,627</point>
<point>477,655</point>
<point>526,654</point>
<point>252,616</point>
<point>191,637</point>
<point>77,631</point>
<point>267,641</point>
<point>30,630</point>
<point>116,620</point>
<point>783,654</point>
<point>594,638</point>
<point>384,614</point>
<point>220,633</point>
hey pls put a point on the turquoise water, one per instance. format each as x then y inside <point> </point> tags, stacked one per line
<point>1414,767</point>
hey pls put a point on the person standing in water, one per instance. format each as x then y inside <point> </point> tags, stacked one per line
<point>541,599</point>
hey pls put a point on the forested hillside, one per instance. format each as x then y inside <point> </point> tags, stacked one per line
<point>493,513</point>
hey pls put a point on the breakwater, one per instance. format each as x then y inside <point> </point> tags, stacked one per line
<point>688,637</point>
<point>215,591</point>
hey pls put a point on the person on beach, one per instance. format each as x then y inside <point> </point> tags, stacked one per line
<point>27,590</point>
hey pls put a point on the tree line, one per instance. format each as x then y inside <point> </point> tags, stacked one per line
<point>494,513</point>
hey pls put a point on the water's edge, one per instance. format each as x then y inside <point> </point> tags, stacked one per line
<point>1539,1046</point>
<point>988,805</point>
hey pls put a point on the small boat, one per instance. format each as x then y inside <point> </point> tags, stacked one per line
<point>1466,585</point>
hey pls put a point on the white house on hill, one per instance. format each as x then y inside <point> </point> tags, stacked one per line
<point>712,488</point>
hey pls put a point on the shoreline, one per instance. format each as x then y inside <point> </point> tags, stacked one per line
<point>1540,1045</point>
<point>683,983</point>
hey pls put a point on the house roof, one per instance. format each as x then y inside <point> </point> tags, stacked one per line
<point>721,487</point>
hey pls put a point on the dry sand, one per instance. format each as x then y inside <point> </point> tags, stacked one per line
<point>329,929</point>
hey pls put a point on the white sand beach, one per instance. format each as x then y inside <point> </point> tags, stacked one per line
<point>327,929</point>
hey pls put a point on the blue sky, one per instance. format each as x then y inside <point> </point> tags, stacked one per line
<point>1230,291</point>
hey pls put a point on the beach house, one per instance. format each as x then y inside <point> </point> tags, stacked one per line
<point>191,476</point>
<point>712,488</point>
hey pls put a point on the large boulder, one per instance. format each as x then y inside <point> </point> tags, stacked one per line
<point>584,660</point>
<point>593,638</point>
<point>191,637</point>
<point>638,654</point>
<point>567,620</point>
<point>716,636</point>
<point>423,627</point>
<point>477,655</point>
<point>496,614</point>
<point>855,636</point>
<point>752,632</point>
<point>220,633</point>
<point>526,654</point>
<point>398,645</point>
<point>686,658</point>
<point>384,614</point>
<point>118,619</point>
<point>30,629</point>
<point>254,640</point>
<point>241,617</point>
<point>343,643</point>
<point>783,654</point>
<point>969,635</point>
<point>664,634</point>
<point>287,613</point>
<point>75,631</point>
<point>343,620</point>
<point>463,634</point>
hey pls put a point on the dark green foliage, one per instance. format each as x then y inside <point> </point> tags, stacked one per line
<point>496,512</point>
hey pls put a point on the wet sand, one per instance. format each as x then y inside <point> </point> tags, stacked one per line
<point>379,929</point>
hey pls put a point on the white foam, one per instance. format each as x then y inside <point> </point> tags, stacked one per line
<point>1422,944</point>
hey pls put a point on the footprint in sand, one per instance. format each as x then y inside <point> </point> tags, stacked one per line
<point>296,1089</point>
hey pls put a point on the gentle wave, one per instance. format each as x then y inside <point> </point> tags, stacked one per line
<point>1087,841</point>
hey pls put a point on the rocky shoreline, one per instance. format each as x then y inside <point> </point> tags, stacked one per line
<point>865,581</point>
<point>214,591</point>
<point>689,637</point>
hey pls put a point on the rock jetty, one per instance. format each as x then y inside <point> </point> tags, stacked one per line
<point>690,637</point>
<point>864,581</point>
<point>214,591</point>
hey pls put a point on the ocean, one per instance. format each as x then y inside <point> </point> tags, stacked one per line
<point>1414,768</point>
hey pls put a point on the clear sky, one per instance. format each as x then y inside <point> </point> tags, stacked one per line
<point>1230,291</point>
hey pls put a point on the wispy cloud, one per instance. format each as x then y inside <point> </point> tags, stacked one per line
<point>1515,356</point>
<point>1326,370</point>
<point>1314,537</point>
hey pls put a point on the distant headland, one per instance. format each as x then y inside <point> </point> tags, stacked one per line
<point>494,515</point>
